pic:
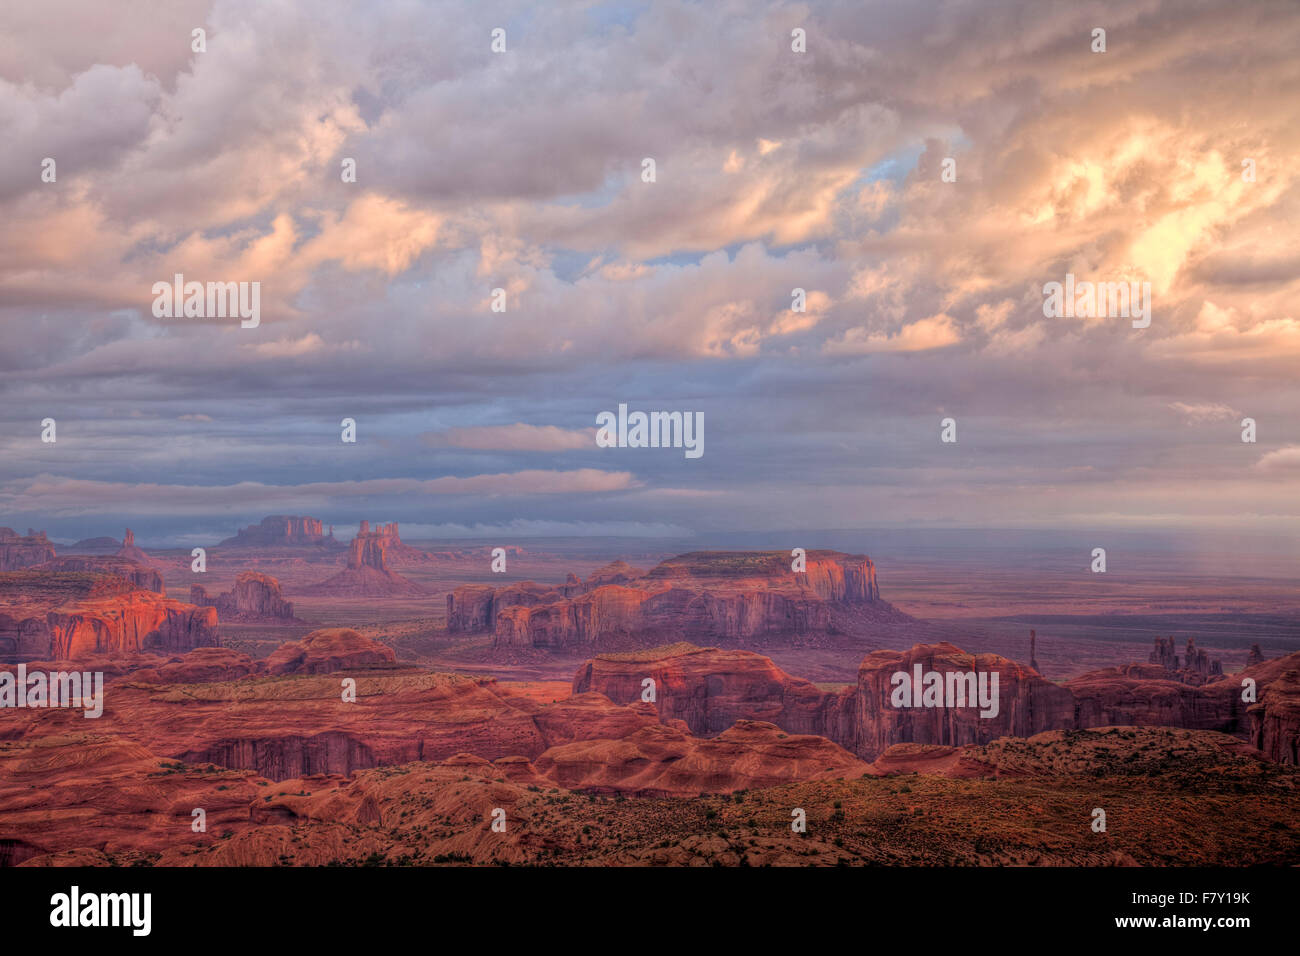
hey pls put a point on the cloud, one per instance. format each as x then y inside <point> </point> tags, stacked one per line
<point>1198,413</point>
<point>775,171</point>
<point>516,437</point>
<point>932,333</point>
<point>58,495</point>
<point>1281,459</point>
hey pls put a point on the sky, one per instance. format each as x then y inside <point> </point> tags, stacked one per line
<point>522,170</point>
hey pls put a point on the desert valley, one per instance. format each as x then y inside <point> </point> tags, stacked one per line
<point>315,700</point>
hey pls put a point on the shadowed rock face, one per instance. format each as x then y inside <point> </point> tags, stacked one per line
<point>710,689</point>
<point>730,597</point>
<point>255,597</point>
<point>1275,719</point>
<point>1026,702</point>
<point>23,551</point>
<point>473,608</point>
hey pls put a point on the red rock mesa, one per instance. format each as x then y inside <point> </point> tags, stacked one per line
<point>728,597</point>
<point>66,615</point>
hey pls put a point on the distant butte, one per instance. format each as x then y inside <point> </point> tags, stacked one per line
<point>283,531</point>
<point>367,573</point>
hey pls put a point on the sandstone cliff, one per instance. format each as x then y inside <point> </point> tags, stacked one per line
<point>1027,703</point>
<point>735,598</point>
<point>709,689</point>
<point>255,597</point>
<point>65,614</point>
<point>133,623</point>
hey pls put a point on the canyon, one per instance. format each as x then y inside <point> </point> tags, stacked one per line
<point>366,753</point>
<point>709,689</point>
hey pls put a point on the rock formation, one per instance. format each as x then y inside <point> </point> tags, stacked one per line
<point>278,531</point>
<point>396,553</point>
<point>734,598</point>
<point>1254,656</point>
<point>709,689</point>
<point>473,608</point>
<point>133,623</point>
<point>64,615</point>
<point>1275,719</point>
<point>23,551</point>
<point>663,761</point>
<point>255,597</point>
<point>367,573</point>
<point>328,650</point>
<point>142,576</point>
<point>201,665</point>
<point>130,551</point>
<point>1197,668</point>
<point>100,545</point>
<point>1026,702</point>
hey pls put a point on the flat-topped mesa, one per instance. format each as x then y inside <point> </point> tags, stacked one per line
<point>142,576</point>
<point>23,551</point>
<point>254,597</point>
<point>727,597</point>
<point>283,531</point>
<point>832,575</point>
